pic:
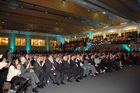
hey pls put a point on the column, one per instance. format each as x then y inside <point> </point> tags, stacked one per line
<point>60,40</point>
<point>139,27</point>
<point>119,31</point>
<point>90,35</point>
<point>27,43</point>
<point>47,43</point>
<point>12,42</point>
<point>104,35</point>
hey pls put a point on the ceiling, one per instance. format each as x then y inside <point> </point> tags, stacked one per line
<point>66,17</point>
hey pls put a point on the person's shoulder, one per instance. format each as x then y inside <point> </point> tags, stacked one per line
<point>11,67</point>
<point>35,63</point>
<point>47,62</point>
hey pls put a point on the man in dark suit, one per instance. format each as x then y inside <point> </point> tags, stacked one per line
<point>39,72</point>
<point>66,68</point>
<point>3,73</point>
<point>51,70</point>
<point>76,69</point>
<point>33,60</point>
<point>9,55</point>
<point>58,64</point>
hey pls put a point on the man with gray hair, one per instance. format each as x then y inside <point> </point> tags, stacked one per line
<point>25,73</point>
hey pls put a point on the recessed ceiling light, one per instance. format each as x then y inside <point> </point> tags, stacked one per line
<point>106,26</point>
<point>135,27</point>
<point>104,13</point>
<point>123,23</point>
<point>92,29</point>
<point>63,1</point>
<point>46,12</point>
<point>21,7</point>
<point>2,22</point>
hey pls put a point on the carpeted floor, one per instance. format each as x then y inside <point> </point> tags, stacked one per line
<point>124,81</point>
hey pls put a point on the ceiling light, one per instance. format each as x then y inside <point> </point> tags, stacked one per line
<point>46,12</point>
<point>104,13</point>
<point>135,27</point>
<point>88,10</point>
<point>123,23</point>
<point>106,26</point>
<point>92,29</point>
<point>63,1</point>
<point>2,22</point>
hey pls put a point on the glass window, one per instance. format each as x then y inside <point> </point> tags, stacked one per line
<point>53,44</point>
<point>20,42</point>
<point>37,42</point>
<point>3,41</point>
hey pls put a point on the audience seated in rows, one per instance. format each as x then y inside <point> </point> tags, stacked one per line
<point>60,68</point>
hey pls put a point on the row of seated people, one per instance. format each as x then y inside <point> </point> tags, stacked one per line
<point>37,69</point>
<point>116,40</point>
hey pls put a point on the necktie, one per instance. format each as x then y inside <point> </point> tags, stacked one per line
<point>76,65</point>
<point>53,68</point>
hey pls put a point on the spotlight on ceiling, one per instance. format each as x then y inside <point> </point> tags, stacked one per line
<point>104,13</point>
<point>124,23</point>
<point>63,1</point>
<point>92,29</point>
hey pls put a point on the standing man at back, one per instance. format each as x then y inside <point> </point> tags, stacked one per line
<point>9,55</point>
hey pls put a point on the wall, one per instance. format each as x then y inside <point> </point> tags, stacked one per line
<point>28,38</point>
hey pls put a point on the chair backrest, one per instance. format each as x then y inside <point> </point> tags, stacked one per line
<point>6,86</point>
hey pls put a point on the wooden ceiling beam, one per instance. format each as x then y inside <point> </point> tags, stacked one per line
<point>70,7</point>
<point>30,19</point>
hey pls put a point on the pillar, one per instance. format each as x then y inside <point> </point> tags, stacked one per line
<point>12,42</point>
<point>104,35</point>
<point>47,44</point>
<point>90,35</point>
<point>28,43</point>
<point>139,27</point>
<point>60,40</point>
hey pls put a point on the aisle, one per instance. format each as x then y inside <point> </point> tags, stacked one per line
<point>124,81</point>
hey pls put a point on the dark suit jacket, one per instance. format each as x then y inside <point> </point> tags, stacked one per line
<point>38,69</point>
<point>32,62</point>
<point>65,65</point>
<point>23,68</point>
<point>48,66</point>
<point>59,67</point>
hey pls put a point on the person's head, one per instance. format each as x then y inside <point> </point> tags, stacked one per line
<point>92,56</point>
<point>87,57</point>
<point>15,63</point>
<point>57,59</point>
<point>96,56</point>
<point>65,58</point>
<point>27,56</point>
<point>22,59</point>
<point>44,58</point>
<point>73,57</point>
<point>10,49</point>
<point>78,55</point>
<point>38,59</point>
<point>4,60</point>
<point>50,58</point>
